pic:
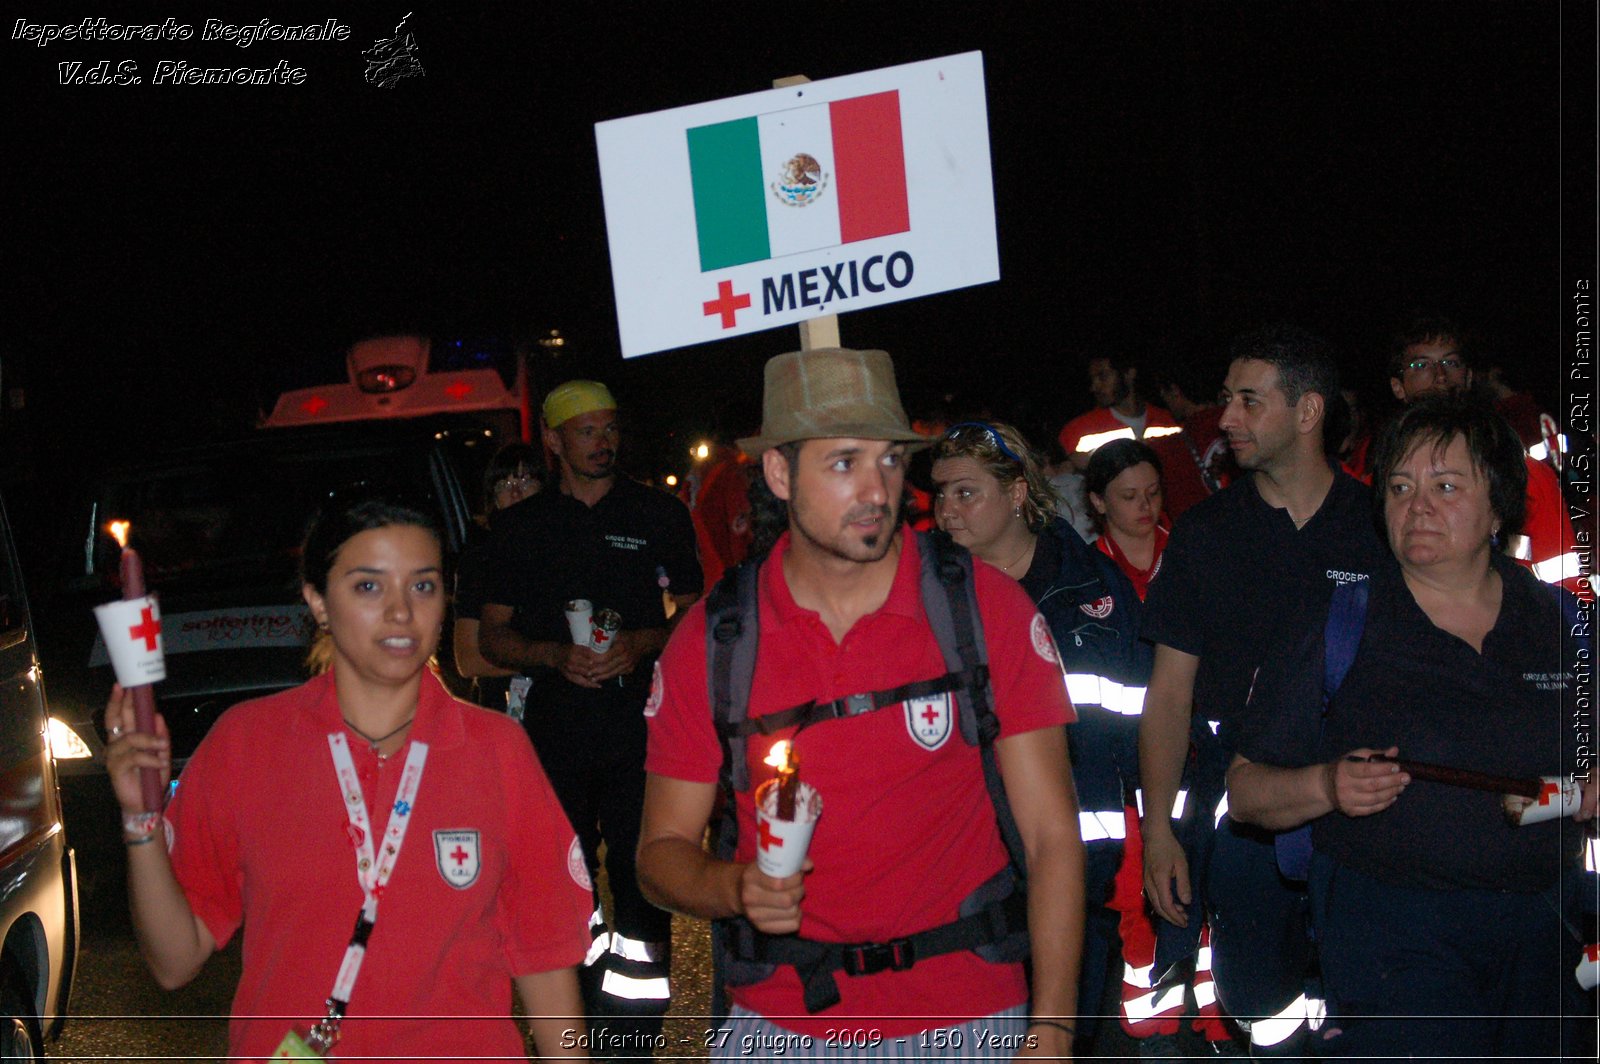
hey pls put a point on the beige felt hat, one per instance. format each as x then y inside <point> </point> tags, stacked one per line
<point>828,392</point>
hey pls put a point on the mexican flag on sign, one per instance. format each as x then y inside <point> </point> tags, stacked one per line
<point>798,180</point>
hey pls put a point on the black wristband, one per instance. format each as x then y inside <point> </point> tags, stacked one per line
<point>1053,1023</point>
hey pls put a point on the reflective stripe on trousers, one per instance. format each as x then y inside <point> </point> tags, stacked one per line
<point>1275,1029</point>
<point>1102,825</point>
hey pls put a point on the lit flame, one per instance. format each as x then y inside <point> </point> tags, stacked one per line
<point>779,757</point>
<point>119,532</point>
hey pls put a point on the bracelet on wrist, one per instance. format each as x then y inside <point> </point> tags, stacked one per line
<point>137,842</point>
<point>1071,1033</point>
<point>140,827</point>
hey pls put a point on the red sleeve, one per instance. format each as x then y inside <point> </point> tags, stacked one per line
<point>683,742</point>
<point>204,835</point>
<point>1548,527</point>
<point>544,902</point>
<point>1030,691</point>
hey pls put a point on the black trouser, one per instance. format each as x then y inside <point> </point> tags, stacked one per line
<point>594,756</point>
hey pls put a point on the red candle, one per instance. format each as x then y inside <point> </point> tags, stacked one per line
<point>144,699</point>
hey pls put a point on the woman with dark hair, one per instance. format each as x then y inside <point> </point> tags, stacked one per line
<point>1440,919</point>
<point>1123,484</point>
<point>516,472</point>
<point>992,497</point>
<point>480,876</point>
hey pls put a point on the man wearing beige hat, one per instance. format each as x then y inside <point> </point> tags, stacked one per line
<point>905,926</point>
<point>618,545</point>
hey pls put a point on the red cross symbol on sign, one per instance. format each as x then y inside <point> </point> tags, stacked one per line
<point>1549,793</point>
<point>147,628</point>
<point>930,715</point>
<point>727,304</point>
<point>458,855</point>
<point>458,390</point>
<point>314,405</point>
<point>765,837</point>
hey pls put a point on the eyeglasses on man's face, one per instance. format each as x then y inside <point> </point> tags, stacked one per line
<point>1434,365</point>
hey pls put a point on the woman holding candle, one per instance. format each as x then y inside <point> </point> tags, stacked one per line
<point>270,829</point>
<point>992,497</point>
<point>1440,923</point>
<point>1123,484</point>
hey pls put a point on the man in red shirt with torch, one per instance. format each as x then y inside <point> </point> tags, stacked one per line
<point>875,928</point>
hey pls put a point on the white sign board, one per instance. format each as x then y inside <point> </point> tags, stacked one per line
<point>764,210</point>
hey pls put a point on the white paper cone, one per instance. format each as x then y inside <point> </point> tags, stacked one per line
<point>781,845</point>
<point>1561,797</point>
<point>131,629</point>
<point>580,613</point>
<point>1588,972</point>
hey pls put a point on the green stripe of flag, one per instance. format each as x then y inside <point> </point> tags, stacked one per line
<point>730,212</point>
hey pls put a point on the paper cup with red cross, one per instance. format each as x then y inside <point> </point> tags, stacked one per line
<point>131,629</point>
<point>1559,796</point>
<point>781,844</point>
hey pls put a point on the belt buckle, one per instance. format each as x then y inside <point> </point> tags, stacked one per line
<point>874,957</point>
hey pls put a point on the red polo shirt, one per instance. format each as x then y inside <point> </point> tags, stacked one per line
<point>907,828</point>
<point>259,839</point>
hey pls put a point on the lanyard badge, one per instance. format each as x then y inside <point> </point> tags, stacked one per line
<point>374,865</point>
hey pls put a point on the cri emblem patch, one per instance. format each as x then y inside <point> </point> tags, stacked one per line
<point>1099,609</point>
<point>1044,644</point>
<point>577,867</point>
<point>652,705</point>
<point>457,855</point>
<point>928,720</point>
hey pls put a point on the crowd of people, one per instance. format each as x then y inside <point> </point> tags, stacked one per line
<point>1228,700</point>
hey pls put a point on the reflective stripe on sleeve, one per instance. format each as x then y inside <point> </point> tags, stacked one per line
<point>1093,441</point>
<point>1222,810</point>
<point>1554,570</point>
<point>1087,689</point>
<point>1591,856</point>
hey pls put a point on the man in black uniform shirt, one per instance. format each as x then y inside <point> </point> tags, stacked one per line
<point>1285,534</point>
<point>621,546</point>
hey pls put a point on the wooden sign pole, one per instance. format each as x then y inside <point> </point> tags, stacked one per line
<point>820,331</point>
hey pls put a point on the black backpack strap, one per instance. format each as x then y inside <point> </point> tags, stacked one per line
<point>950,599</point>
<point>732,636</point>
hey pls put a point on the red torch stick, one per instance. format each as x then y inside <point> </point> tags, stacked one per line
<point>144,699</point>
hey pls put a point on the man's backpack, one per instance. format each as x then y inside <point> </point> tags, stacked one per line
<point>993,918</point>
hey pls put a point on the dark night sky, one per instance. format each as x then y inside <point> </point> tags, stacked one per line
<point>1165,173</point>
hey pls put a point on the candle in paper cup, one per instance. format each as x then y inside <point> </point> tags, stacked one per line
<point>781,844</point>
<point>607,623</point>
<point>1560,796</point>
<point>579,614</point>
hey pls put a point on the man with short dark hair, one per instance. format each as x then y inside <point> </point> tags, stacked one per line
<point>601,537</point>
<point>1430,357</point>
<point>1291,529</point>
<point>882,930</point>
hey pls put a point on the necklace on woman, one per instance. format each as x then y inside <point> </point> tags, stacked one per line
<point>1025,552</point>
<point>380,740</point>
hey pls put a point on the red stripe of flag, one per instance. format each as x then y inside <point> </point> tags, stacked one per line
<point>869,166</point>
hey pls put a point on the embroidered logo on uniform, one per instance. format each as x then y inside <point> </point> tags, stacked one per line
<point>1100,609</point>
<point>577,867</point>
<point>652,705</point>
<point>456,854</point>
<point>928,720</point>
<point>1044,644</point>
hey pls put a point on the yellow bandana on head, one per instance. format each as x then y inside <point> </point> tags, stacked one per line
<point>567,401</point>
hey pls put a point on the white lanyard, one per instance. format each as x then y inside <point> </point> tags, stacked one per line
<point>371,872</point>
